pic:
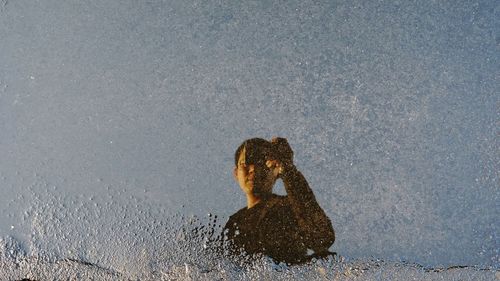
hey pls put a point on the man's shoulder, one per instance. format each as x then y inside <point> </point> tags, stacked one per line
<point>233,219</point>
<point>238,214</point>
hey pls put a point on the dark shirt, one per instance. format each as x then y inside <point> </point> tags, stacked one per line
<point>291,228</point>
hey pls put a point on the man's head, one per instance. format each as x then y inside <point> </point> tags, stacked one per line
<point>250,170</point>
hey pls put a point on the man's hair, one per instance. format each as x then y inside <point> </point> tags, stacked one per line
<point>257,151</point>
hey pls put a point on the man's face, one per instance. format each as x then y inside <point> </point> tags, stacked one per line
<point>253,178</point>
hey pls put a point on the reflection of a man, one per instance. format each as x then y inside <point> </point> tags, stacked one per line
<point>291,228</point>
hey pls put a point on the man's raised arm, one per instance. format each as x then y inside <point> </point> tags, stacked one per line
<point>315,226</point>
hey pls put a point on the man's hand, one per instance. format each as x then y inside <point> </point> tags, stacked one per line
<point>283,155</point>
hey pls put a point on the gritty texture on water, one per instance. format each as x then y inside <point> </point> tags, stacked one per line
<point>117,115</point>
